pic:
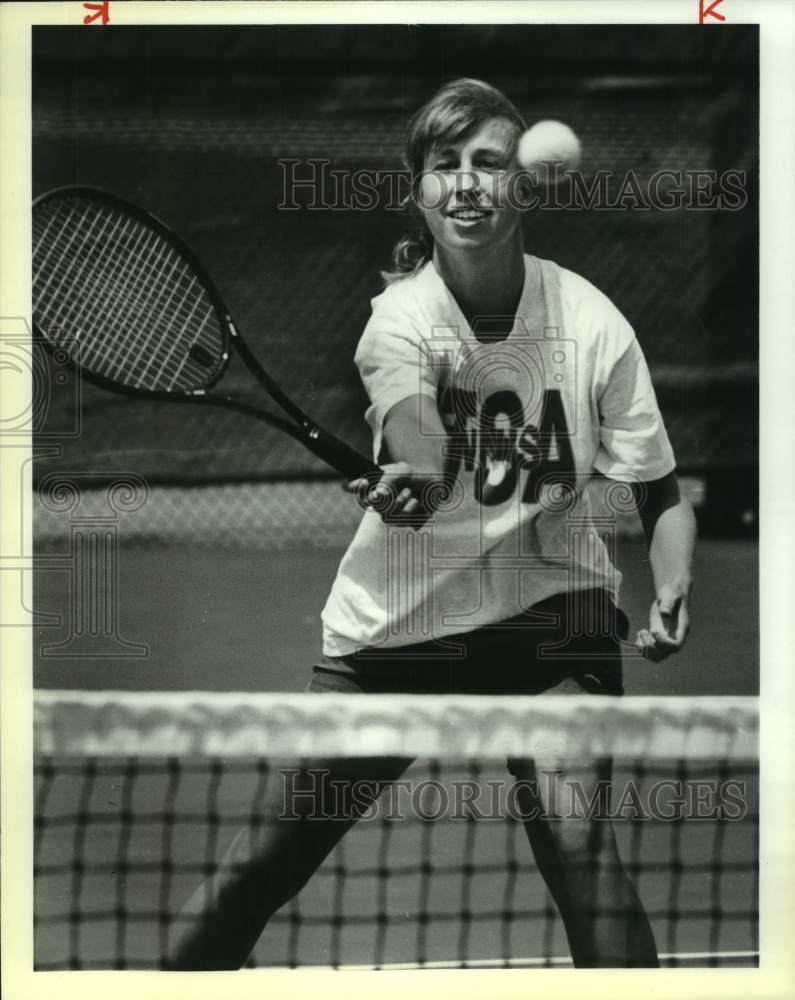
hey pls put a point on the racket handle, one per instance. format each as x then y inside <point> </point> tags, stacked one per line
<point>353,466</point>
<point>339,455</point>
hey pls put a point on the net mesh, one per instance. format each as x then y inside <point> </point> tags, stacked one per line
<point>139,795</point>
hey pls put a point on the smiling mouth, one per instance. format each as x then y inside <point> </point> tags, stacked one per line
<point>469,214</point>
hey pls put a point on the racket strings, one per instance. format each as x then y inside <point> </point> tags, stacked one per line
<point>118,289</point>
<point>95,287</point>
<point>129,292</point>
<point>61,242</point>
<point>122,295</point>
<point>125,291</point>
<point>83,259</point>
<point>148,297</point>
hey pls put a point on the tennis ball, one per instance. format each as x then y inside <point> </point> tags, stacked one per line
<point>549,141</point>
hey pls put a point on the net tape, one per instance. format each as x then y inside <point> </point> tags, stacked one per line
<point>230,724</point>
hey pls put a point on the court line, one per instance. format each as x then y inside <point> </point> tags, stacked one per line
<point>722,957</point>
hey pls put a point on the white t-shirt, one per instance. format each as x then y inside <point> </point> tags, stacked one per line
<point>530,417</point>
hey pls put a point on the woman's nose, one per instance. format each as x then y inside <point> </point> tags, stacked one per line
<point>467,179</point>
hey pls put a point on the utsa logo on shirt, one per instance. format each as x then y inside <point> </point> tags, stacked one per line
<point>508,407</point>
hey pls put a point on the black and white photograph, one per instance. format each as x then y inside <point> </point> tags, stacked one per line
<point>415,358</point>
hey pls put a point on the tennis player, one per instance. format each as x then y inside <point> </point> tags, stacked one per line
<point>500,385</point>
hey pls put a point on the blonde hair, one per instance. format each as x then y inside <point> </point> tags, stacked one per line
<point>455,109</point>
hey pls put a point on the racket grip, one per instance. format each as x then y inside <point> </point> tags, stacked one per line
<point>339,455</point>
<point>354,465</point>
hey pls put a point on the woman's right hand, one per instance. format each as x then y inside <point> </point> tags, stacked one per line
<point>402,495</point>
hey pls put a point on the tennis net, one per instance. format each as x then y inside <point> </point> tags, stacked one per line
<point>139,794</point>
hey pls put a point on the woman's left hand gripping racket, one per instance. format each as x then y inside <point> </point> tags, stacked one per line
<point>144,317</point>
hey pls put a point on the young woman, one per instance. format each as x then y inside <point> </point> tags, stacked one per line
<point>499,384</point>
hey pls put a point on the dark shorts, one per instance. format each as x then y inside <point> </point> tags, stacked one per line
<point>569,643</point>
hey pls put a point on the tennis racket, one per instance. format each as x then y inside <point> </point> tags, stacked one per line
<point>135,311</point>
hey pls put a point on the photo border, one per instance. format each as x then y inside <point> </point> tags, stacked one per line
<point>776,974</point>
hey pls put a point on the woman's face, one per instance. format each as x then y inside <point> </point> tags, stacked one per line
<point>467,193</point>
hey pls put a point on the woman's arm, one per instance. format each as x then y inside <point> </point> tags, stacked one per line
<point>670,528</point>
<point>416,445</point>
